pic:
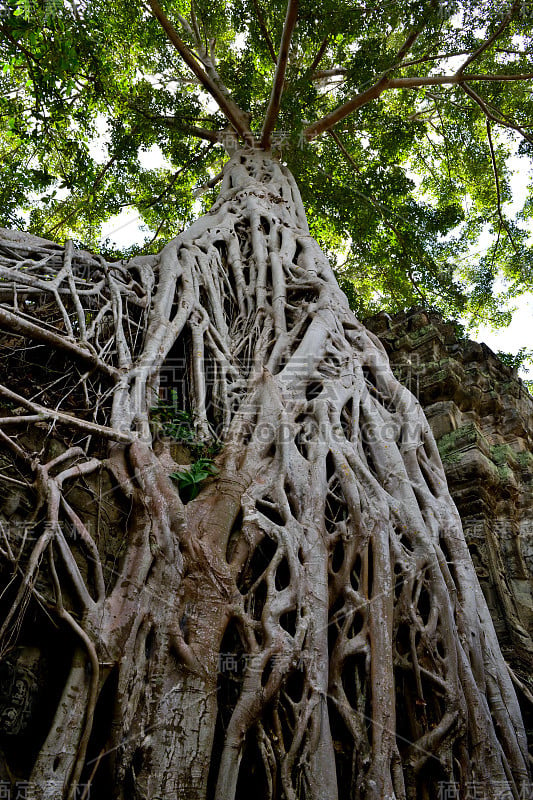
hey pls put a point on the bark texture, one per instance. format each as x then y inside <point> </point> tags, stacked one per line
<point>310,625</point>
<point>481,415</point>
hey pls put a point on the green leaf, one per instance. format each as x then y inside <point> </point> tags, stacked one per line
<point>405,208</point>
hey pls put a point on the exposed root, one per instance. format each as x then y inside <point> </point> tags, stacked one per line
<point>327,558</point>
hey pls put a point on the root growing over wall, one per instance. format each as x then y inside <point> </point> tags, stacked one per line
<point>311,623</point>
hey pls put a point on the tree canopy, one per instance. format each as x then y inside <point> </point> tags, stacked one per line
<point>396,118</point>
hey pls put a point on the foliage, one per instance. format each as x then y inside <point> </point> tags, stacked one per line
<point>190,479</point>
<point>178,425</point>
<point>517,360</point>
<point>522,360</point>
<point>408,187</point>
<point>173,421</point>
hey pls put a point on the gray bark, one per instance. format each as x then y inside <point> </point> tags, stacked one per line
<point>328,542</point>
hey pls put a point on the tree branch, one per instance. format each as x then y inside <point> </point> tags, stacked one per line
<point>196,28</point>
<point>201,133</point>
<point>324,74</point>
<point>501,120</point>
<point>409,42</point>
<point>15,448</point>
<point>23,327</point>
<point>264,30</point>
<point>230,109</point>
<point>454,54</point>
<point>23,419</point>
<point>385,83</point>
<point>281,67</point>
<point>343,111</point>
<point>174,122</point>
<point>503,222</point>
<point>5,30</point>
<point>68,419</point>
<point>318,58</point>
<point>173,180</point>
<point>506,20</point>
<point>436,57</point>
<point>210,184</point>
<point>457,79</point>
<point>363,97</point>
<point>495,173</point>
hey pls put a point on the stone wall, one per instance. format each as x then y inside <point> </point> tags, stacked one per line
<point>482,418</point>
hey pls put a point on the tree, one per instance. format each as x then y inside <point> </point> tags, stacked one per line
<point>404,185</point>
<point>241,536</point>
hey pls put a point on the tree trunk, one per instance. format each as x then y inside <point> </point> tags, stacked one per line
<point>310,625</point>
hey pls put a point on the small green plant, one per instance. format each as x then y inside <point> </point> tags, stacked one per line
<point>179,426</point>
<point>173,421</point>
<point>189,479</point>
